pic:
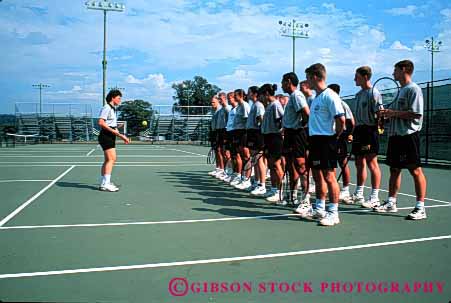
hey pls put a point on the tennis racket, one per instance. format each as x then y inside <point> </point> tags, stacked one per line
<point>384,92</point>
<point>211,157</point>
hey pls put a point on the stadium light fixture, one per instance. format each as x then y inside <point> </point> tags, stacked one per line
<point>104,6</point>
<point>432,46</point>
<point>40,86</point>
<point>294,30</point>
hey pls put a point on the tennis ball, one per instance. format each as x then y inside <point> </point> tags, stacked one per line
<point>144,123</point>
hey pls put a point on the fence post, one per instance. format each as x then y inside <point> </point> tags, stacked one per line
<point>428,120</point>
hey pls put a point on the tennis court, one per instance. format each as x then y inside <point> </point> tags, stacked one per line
<point>174,234</point>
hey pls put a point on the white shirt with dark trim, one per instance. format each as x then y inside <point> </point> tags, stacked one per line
<point>292,117</point>
<point>108,113</point>
<point>325,108</point>
<point>410,99</point>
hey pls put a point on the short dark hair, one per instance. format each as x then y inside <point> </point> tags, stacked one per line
<point>292,77</point>
<point>253,89</point>
<point>113,94</point>
<point>240,92</point>
<point>407,65</point>
<point>335,87</point>
<point>364,71</point>
<point>267,89</point>
<point>317,70</point>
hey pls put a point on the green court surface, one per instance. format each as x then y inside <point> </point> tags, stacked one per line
<point>172,225</point>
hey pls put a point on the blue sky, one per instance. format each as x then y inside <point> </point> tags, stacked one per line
<point>234,44</point>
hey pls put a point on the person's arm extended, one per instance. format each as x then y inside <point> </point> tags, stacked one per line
<point>339,124</point>
<point>103,125</point>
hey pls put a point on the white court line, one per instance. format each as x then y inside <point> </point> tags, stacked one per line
<point>101,156</point>
<point>187,152</point>
<point>409,195</point>
<point>12,181</point>
<point>184,221</point>
<point>29,201</point>
<point>96,165</point>
<point>89,153</point>
<point>221,260</point>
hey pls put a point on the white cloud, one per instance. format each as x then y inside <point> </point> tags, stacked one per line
<point>409,10</point>
<point>397,45</point>
<point>330,6</point>
<point>447,13</point>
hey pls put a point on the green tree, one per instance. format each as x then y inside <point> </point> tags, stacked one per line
<point>135,112</point>
<point>196,92</point>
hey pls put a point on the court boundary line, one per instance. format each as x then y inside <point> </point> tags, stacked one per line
<point>223,260</point>
<point>90,152</point>
<point>34,197</point>
<point>12,181</point>
<point>408,195</point>
<point>100,163</point>
<point>85,225</point>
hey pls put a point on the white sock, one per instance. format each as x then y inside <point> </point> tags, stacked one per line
<point>359,190</point>
<point>102,180</point>
<point>392,200</point>
<point>375,193</point>
<point>320,204</point>
<point>345,188</point>
<point>332,208</point>
<point>420,204</point>
<point>262,185</point>
<point>107,179</point>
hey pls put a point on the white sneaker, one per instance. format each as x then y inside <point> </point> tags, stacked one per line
<point>235,180</point>
<point>417,214</point>
<point>259,191</point>
<point>109,187</point>
<point>227,178</point>
<point>213,173</point>
<point>275,197</point>
<point>244,185</point>
<point>357,198</point>
<point>311,187</point>
<point>330,219</point>
<point>303,209</point>
<point>251,188</point>
<point>372,202</point>
<point>345,196</point>
<point>219,175</point>
<point>386,207</point>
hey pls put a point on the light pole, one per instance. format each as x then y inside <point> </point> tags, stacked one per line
<point>40,86</point>
<point>104,6</point>
<point>294,29</point>
<point>433,47</point>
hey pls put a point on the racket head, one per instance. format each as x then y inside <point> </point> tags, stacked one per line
<point>385,91</point>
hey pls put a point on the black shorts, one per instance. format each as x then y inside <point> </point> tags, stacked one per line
<point>228,140</point>
<point>254,140</point>
<point>220,138</point>
<point>295,143</point>
<point>365,140</point>
<point>239,139</point>
<point>404,151</point>
<point>342,147</point>
<point>213,138</point>
<point>107,140</point>
<point>273,145</point>
<point>323,152</point>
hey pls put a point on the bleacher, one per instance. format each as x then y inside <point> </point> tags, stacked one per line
<point>67,124</point>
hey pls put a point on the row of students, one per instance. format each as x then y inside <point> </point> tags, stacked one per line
<point>312,132</point>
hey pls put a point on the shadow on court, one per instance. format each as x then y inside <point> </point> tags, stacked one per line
<point>77,185</point>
